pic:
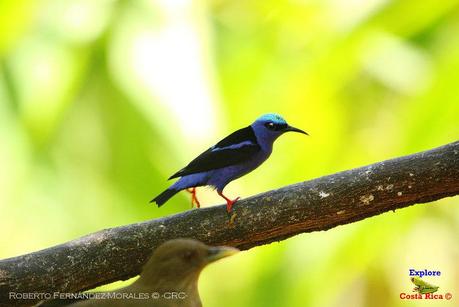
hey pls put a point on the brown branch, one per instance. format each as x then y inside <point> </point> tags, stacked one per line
<point>319,204</point>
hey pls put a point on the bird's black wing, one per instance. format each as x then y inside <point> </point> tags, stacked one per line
<point>237,147</point>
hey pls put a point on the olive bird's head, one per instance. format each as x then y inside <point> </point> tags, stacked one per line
<point>180,261</point>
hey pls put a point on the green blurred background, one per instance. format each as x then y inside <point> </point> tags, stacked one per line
<point>101,100</point>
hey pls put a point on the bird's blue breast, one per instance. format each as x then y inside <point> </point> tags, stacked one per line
<point>219,178</point>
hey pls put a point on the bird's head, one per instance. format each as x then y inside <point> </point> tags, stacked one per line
<point>180,261</point>
<point>269,127</point>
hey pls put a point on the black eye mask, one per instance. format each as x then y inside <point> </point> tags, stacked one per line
<point>275,127</point>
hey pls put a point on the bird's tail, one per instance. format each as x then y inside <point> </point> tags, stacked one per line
<point>164,197</point>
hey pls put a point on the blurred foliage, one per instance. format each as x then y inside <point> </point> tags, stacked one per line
<point>101,100</point>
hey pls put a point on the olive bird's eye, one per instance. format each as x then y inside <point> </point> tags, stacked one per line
<point>270,126</point>
<point>188,256</point>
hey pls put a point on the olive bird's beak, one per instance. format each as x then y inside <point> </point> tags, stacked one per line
<point>293,129</point>
<point>219,252</point>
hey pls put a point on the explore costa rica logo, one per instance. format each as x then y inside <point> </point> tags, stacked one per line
<point>424,289</point>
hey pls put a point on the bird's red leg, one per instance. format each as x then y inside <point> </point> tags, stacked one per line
<point>194,198</point>
<point>229,202</point>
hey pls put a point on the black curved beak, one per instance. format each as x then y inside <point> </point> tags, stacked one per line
<point>293,129</point>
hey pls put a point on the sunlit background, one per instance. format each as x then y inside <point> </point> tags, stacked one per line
<point>102,100</point>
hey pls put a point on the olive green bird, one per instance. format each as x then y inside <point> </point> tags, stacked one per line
<point>174,267</point>
<point>422,286</point>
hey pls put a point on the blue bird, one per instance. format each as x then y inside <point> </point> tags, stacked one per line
<point>236,155</point>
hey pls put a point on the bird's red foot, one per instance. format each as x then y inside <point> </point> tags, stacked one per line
<point>229,202</point>
<point>194,198</point>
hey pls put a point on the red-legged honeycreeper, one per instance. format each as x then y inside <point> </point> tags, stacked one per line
<point>236,155</point>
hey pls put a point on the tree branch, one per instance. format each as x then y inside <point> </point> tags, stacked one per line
<point>319,204</point>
